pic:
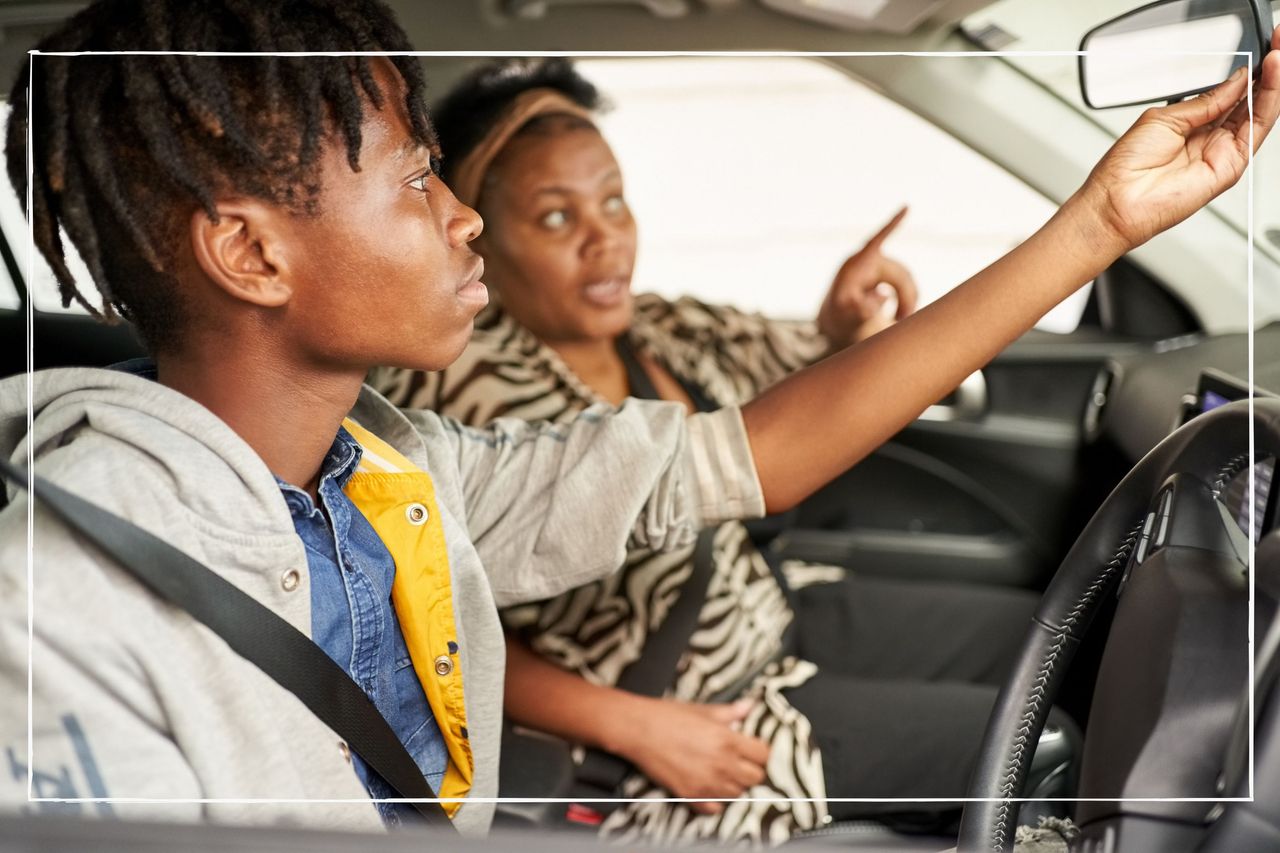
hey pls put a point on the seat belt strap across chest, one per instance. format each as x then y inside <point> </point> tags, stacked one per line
<point>253,631</point>
<point>653,672</point>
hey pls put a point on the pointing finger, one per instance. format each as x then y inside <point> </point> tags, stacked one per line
<point>883,233</point>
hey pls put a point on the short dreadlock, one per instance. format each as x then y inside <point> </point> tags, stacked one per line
<point>125,148</point>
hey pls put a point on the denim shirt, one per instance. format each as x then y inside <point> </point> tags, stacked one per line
<point>353,620</point>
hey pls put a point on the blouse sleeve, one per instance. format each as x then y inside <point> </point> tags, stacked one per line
<point>407,389</point>
<point>752,350</point>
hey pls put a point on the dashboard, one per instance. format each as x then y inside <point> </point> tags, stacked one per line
<point>1139,398</point>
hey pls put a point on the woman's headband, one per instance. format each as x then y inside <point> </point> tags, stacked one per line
<point>468,176</point>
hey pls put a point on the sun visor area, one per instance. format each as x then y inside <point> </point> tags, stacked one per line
<point>887,16</point>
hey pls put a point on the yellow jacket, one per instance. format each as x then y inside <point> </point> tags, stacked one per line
<point>399,501</point>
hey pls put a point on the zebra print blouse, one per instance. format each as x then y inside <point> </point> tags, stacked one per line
<point>599,629</point>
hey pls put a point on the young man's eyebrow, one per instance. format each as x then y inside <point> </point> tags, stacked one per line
<point>413,149</point>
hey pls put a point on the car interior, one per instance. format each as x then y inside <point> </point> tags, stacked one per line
<point>1122,468</point>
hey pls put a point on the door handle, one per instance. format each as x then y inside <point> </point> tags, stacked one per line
<point>967,403</point>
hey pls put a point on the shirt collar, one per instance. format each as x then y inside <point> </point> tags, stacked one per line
<point>142,366</point>
<point>340,462</point>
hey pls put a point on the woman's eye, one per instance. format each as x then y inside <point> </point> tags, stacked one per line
<point>553,219</point>
<point>615,204</point>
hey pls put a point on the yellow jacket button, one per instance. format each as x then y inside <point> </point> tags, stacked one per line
<point>444,665</point>
<point>416,513</point>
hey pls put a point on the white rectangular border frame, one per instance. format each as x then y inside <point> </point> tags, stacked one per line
<point>609,54</point>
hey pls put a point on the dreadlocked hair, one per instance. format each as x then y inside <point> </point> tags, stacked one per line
<point>125,148</point>
<point>469,109</point>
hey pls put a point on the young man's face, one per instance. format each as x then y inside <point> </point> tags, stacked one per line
<point>384,273</point>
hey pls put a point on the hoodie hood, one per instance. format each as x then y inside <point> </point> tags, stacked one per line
<point>150,430</point>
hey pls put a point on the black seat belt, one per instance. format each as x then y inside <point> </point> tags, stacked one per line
<point>762,530</point>
<point>600,772</point>
<point>253,631</point>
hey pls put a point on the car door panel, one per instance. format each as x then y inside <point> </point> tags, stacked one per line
<point>989,494</point>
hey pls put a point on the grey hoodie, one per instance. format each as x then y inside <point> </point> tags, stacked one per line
<point>131,698</point>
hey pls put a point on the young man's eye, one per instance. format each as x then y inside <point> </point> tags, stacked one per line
<point>553,219</point>
<point>615,204</point>
<point>420,183</point>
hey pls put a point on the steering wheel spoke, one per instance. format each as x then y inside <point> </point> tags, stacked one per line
<point>1188,512</point>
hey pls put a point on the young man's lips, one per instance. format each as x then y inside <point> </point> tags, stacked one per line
<point>473,289</point>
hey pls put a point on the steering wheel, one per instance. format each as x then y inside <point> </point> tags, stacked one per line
<point>1175,670</point>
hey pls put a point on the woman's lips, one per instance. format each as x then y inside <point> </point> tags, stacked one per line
<point>607,293</point>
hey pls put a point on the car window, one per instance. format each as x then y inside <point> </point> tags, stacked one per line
<point>753,178</point>
<point>9,299</point>
<point>769,187</point>
<point>44,287</point>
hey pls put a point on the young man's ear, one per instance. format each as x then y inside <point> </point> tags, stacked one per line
<point>242,253</point>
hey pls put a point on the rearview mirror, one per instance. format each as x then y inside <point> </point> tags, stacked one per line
<point>1171,49</point>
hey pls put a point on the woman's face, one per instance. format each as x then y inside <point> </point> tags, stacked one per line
<point>560,243</point>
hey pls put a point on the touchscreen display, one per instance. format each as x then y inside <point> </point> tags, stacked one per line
<point>1210,400</point>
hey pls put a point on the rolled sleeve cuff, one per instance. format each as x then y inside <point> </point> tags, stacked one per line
<point>720,468</point>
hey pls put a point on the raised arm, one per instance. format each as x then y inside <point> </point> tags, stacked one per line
<point>1174,160</point>
<point>552,506</point>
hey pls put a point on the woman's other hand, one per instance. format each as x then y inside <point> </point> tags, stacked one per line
<point>695,750</point>
<point>854,308</point>
<point>1177,158</point>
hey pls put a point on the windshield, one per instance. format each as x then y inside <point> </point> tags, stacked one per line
<point>1034,25</point>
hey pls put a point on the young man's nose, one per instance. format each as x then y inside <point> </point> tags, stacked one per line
<point>464,223</point>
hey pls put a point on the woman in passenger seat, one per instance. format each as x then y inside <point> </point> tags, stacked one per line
<point>884,688</point>
<point>275,227</point>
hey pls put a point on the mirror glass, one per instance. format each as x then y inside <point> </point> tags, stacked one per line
<point>1166,50</point>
